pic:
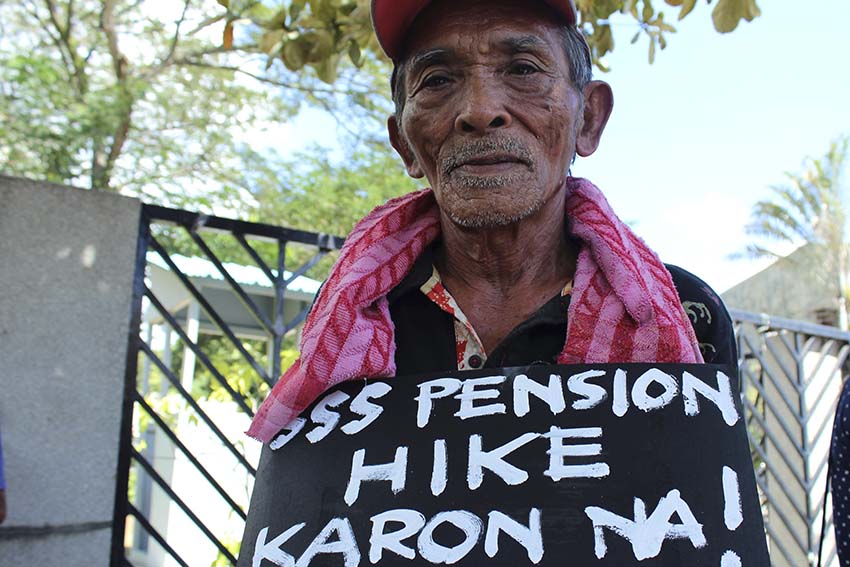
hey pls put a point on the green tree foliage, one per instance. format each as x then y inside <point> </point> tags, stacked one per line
<point>154,99</point>
<point>810,208</point>
<point>314,191</point>
<point>124,95</point>
<point>321,33</point>
<point>104,95</point>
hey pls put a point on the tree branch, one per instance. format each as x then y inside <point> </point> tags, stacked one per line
<point>64,42</point>
<point>107,25</point>
<point>69,16</point>
<point>176,37</point>
<point>265,80</point>
<point>102,165</point>
<point>57,41</point>
<point>187,59</point>
<point>54,18</point>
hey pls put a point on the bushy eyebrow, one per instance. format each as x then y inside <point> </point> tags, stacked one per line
<point>430,57</point>
<point>442,56</point>
<point>523,44</point>
<point>511,45</point>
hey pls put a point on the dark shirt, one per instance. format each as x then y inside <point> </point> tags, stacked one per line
<point>425,336</point>
<point>839,473</point>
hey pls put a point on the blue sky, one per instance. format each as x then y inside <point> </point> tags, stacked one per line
<point>700,135</point>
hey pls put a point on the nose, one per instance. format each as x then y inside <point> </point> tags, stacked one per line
<point>482,107</point>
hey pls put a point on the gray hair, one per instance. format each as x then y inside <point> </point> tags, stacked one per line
<point>575,48</point>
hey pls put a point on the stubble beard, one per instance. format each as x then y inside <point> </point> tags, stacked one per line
<point>487,216</point>
<point>460,188</point>
<point>492,220</point>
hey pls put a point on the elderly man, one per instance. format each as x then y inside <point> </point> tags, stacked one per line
<point>508,260</point>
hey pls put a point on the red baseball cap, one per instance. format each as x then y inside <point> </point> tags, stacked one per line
<point>392,18</point>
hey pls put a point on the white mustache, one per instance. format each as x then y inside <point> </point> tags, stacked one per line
<point>485,148</point>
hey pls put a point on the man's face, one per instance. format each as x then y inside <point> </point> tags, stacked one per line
<point>490,116</point>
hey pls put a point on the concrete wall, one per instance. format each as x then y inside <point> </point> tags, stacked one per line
<point>66,268</point>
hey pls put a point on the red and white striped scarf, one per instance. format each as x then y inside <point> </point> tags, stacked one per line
<point>624,306</point>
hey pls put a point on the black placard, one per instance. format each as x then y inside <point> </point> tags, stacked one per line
<point>586,465</point>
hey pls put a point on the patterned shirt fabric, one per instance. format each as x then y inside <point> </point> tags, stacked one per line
<point>840,476</point>
<point>470,350</point>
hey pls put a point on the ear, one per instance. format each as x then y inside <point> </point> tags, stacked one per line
<point>598,104</point>
<point>403,149</point>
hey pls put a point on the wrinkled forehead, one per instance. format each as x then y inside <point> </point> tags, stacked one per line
<point>482,25</point>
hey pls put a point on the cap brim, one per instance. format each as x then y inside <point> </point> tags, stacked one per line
<point>392,18</point>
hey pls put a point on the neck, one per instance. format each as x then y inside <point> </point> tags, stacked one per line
<point>535,249</point>
<point>500,275</point>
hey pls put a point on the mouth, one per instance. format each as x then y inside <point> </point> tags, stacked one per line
<point>495,162</point>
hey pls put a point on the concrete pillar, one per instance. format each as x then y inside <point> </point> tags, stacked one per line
<point>66,272</point>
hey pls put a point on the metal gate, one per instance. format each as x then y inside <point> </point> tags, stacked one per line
<point>216,308</point>
<point>791,376</point>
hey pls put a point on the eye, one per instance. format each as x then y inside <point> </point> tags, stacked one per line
<point>522,68</point>
<point>434,81</point>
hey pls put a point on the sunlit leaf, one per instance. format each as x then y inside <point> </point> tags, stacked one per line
<point>294,54</point>
<point>687,6</point>
<point>271,41</point>
<point>277,21</point>
<point>354,53</point>
<point>322,47</point>
<point>727,14</point>
<point>327,70</point>
<point>647,10</point>
<point>295,9</point>
<point>662,25</point>
<point>603,39</point>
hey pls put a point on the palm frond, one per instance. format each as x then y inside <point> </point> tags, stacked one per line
<point>808,208</point>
